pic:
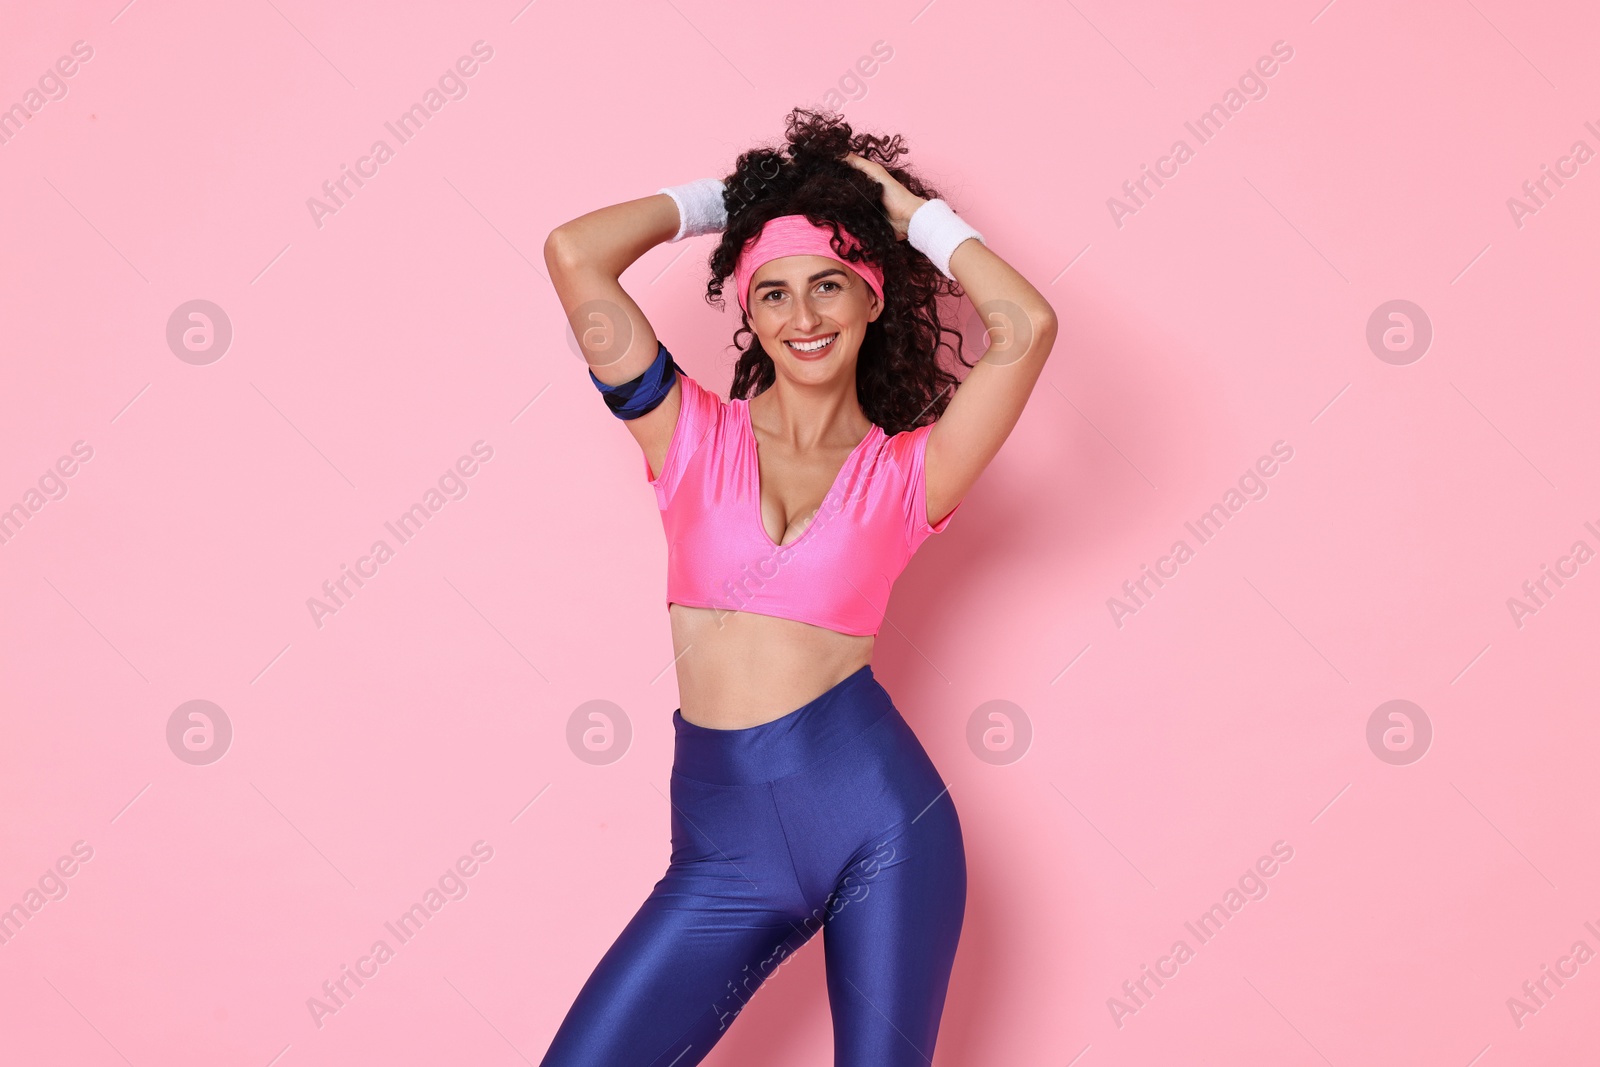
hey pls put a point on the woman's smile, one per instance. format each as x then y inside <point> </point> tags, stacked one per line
<point>811,348</point>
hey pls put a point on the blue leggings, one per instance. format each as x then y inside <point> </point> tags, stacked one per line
<point>832,818</point>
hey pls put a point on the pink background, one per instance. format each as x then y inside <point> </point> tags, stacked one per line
<point>369,353</point>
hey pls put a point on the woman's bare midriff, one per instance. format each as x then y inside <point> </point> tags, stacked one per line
<point>737,669</point>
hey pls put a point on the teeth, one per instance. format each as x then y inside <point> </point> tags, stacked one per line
<point>814,346</point>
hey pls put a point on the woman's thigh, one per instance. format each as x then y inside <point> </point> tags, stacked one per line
<point>878,843</point>
<point>725,915</point>
<point>674,980</point>
<point>890,942</point>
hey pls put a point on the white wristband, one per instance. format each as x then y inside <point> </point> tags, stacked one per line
<point>700,207</point>
<point>935,230</point>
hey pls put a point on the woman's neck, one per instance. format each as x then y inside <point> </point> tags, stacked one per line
<point>808,417</point>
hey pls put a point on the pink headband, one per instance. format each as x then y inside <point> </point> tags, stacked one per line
<point>795,235</point>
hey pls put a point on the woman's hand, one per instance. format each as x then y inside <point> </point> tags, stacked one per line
<point>899,203</point>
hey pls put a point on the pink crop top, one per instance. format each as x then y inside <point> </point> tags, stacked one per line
<point>840,569</point>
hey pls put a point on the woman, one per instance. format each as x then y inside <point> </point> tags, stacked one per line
<point>801,800</point>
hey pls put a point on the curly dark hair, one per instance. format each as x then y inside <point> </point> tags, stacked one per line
<point>900,381</point>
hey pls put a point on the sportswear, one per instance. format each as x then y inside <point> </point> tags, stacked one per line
<point>838,572</point>
<point>832,818</point>
<point>641,395</point>
<point>796,235</point>
<point>936,230</point>
<point>700,208</point>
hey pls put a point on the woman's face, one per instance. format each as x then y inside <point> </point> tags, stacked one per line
<point>811,314</point>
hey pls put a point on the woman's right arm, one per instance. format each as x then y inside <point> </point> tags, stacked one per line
<point>586,257</point>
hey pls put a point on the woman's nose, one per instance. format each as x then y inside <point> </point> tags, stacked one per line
<point>805,314</point>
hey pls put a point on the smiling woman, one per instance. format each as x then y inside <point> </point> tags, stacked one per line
<point>773,293</point>
<point>789,510</point>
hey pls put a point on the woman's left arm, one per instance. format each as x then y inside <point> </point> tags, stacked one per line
<point>1021,326</point>
<point>1022,329</point>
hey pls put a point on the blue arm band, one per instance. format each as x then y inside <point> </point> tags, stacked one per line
<point>640,396</point>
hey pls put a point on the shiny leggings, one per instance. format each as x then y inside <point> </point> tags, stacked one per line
<point>832,818</point>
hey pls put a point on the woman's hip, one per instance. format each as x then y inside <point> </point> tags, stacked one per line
<point>844,763</point>
<point>784,746</point>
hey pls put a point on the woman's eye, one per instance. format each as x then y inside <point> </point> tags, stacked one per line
<point>824,285</point>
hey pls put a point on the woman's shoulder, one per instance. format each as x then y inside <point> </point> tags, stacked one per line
<point>699,395</point>
<point>905,443</point>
